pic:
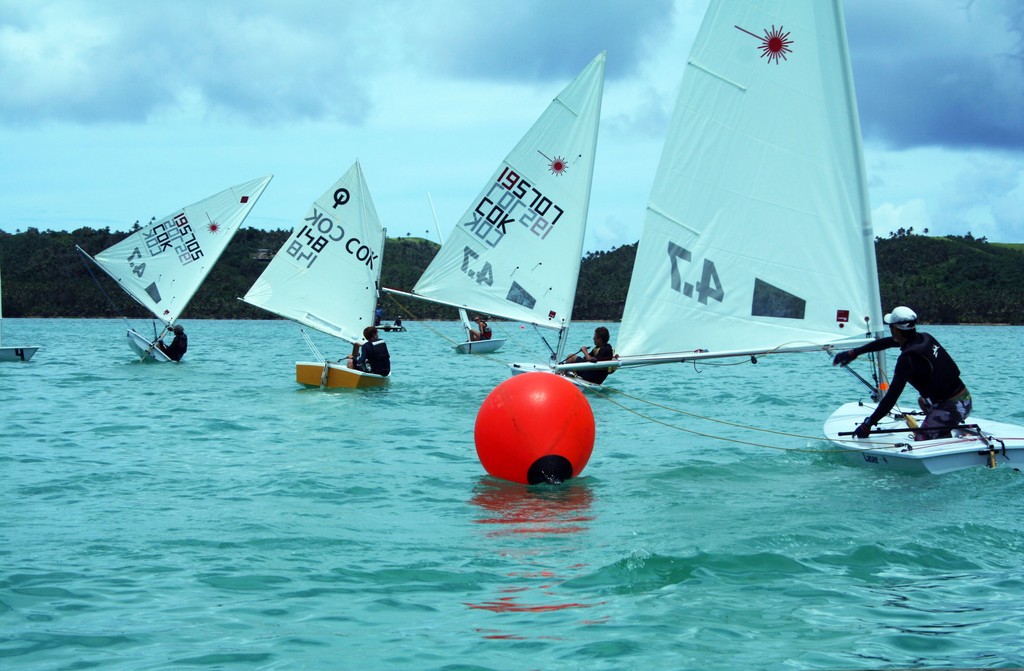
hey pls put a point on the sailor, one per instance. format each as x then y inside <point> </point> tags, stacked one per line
<point>482,332</point>
<point>372,356</point>
<point>929,369</point>
<point>178,346</point>
<point>602,351</point>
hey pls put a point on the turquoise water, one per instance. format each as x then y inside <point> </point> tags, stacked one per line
<point>215,515</point>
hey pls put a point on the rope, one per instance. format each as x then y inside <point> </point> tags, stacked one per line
<point>316,352</point>
<point>604,392</point>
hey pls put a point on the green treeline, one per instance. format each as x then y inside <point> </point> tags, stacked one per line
<point>947,280</point>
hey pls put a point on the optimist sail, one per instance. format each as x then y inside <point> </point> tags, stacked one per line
<point>163,264</point>
<point>516,251</point>
<point>326,276</point>
<point>757,236</point>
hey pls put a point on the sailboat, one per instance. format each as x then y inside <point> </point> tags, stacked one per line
<point>757,237</point>
<point>327,276</point>
<point>162,265</point>
<point>469,346</point>
<point>16,352</point>
<point>515,253</point>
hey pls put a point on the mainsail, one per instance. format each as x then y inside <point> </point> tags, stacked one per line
<point>515,252</point>
<point>758,234</point>
<point>326,274</point>
<point>163,264</point>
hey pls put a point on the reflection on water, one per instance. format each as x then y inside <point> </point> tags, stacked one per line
<point>533,509</point>
<point>529,511</point>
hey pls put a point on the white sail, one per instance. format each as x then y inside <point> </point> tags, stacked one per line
<point>163,264</point>
<point>326,274</point>
<point>515,253</point>
<point>758,234</point>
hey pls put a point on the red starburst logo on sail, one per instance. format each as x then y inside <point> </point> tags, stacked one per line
<point>213,227</point>
<point>774,43</point>
<point>557,165</point>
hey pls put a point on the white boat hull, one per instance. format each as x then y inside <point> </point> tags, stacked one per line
<point>145,348</point>
<point>899,451</point>
<point>520,368</point>
<point>329,375</point>
<point>480,346</point>
<point>17,353</point>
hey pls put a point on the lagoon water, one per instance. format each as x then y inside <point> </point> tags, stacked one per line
<point>214,515</point>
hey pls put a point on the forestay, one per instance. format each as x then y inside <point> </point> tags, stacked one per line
<point>325,276</point>
<point>757,235</point>
<point>515,252</point>
<point>162,265</point>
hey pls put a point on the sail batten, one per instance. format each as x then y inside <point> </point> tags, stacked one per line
<point>758,227</point>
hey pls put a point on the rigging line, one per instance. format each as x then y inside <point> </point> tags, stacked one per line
<point>728,440</point>
<point>102,290</point>
<point>312,346</point>
<point>709,419</point>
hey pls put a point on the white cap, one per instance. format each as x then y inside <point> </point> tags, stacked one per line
<point>902,318</point>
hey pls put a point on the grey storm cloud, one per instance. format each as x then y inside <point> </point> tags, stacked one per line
<point>927,73</point>
<point>118,61</point>
<point>543,40</point>
<point>266,61</point>
<point>952,78</point>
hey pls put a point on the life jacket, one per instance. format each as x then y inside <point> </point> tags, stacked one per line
<point>933,373</point>
<point>177,348</point>
<point>485,331</point>
<point>378,359</point>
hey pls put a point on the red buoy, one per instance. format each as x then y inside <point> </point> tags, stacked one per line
<point>535,427</point>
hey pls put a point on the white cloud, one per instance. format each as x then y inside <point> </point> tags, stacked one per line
<point>119,110</point>
<point>888,218</point>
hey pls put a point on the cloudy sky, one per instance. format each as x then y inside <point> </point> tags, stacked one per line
<point>120,110</point>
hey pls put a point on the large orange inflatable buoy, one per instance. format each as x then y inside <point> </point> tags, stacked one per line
<point>533,428</point>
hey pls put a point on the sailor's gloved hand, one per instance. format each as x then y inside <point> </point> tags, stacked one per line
<point>863,430</point>
<point>843,358</point>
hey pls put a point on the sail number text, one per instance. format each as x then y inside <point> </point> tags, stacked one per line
<point>483,275</point>
<point>709,285</point>
<point>320,230</point>
<point>174,234</point>
<point>512,199</point>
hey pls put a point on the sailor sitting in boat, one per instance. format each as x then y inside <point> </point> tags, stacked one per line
<point>484,332</point>
<point>929,369</point>
<point>178,346</point>
<point>602,351</point>
<point>372,356</point>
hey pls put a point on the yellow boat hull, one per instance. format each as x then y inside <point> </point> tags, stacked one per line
<point>330,375</point>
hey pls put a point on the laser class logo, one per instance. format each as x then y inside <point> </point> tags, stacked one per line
<point>774,43</point>
<point>556,165</point>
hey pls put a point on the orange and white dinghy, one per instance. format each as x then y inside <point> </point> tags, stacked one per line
<point>335,375</point>
<point>327,277</point>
